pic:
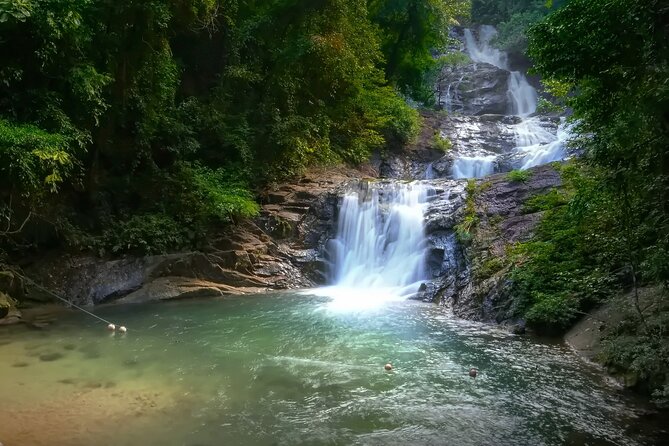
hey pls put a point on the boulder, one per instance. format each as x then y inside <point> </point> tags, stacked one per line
<point>474,89</point>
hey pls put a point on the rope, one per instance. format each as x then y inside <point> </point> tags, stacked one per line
<point>46,290</point>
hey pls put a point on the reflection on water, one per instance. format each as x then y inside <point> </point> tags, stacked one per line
<point>286,369</point>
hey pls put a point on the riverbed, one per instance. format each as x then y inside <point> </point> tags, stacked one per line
<point>292,368</point>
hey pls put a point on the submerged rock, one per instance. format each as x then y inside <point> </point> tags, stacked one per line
<point>48,357</point>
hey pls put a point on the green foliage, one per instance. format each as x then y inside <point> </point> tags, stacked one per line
<point>15,10</point>
<point>547,106</point>
<point>464,230</point>
<point>607,60</point>
<point>617,72</point>
<point>569,265</point>
<point>144,234</point>
<point>558,311</point>
<point>33,161</point>
<point>410,31</point>
<point>197,103</point>
<point>639,350</point>
<point>453,59</point>
<point>519,176</point>
<point>218,196</point>
<point>488,268</point>
<point>441,143</point>
<point>512,19</point>
<point>545,202</point>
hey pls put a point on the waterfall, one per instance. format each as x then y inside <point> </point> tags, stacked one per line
<point>481,51</point>
<point>452,95</point>
<point>379,252</point>
<point>473,166</point>
<point>534,144</point>
<point>429,172</point>
<point>543,152</point>
<point>523,96</point>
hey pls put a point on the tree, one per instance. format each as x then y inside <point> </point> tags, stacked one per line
<point>411,31</point>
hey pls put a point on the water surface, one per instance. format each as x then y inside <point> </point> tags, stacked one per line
<point>288,369</point>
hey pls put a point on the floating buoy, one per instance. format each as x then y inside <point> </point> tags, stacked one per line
<point>389,366</point>
<point>473,372</point>
<point>111,327</point>
<point>122,329</point>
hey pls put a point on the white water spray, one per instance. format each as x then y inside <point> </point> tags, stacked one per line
<point>473,166</point>
<point>545,152</point>
<point>379,252</point>
<point>522,96</point>
<point>480,50</point>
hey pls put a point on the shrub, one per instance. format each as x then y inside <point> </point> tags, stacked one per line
<point>463,230</point>
<point>441,143</point>
<point>519,176</point>
<point>144,234</point>
<point>553,312</point>
<point>545,202</point>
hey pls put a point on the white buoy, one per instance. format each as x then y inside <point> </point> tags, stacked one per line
<point>111,327</point>
<point>122,329</point>
<point>389,366</point>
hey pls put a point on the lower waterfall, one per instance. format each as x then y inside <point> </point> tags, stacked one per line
<point>379,252</point>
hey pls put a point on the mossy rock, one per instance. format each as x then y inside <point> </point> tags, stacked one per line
<point>12,285</point>
<point>6,304</point>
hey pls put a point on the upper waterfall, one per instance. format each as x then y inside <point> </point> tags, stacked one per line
<point>534,138</point>
<point>481,51</point>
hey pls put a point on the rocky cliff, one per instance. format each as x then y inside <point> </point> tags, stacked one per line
<point>471,230</point>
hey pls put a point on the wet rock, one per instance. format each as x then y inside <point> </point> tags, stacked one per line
<point>7,309</point>
<point>280,249</point>
<point>483,292</point>
<point>49,357</point>
<point>12,285</point>
<point>474,89</point>
<point>131,362</point>
<point>518,328</point>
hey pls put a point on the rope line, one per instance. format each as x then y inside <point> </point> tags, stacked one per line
<point>37,285</point>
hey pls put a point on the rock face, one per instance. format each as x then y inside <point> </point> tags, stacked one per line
<point>474,89</point>
<point>470,276</point>
<point>278,250</point>
<point>11,289</point>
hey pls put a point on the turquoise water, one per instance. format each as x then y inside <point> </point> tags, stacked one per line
<point>289,369</point>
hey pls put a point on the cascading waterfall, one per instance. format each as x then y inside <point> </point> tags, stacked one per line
<point>480,51</point>
<point>473,166</point>
<point>546,152</point>
<point>534,143</point>
<point>452,94</point>
<point>523,96</point>
<point>379,251</point>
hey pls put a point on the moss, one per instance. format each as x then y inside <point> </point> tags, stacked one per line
<point>545,202</point>
<point>464,230</point>
<point>484,186</point>
<point>519,176</point>
<point>441,143</point>
<point>492,265</point>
